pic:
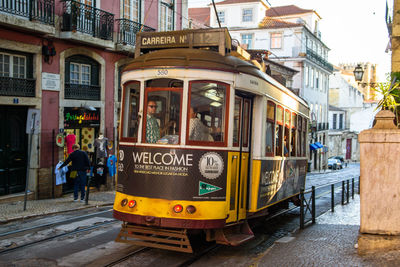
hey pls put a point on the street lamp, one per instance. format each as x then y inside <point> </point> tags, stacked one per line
<point>358,73</point>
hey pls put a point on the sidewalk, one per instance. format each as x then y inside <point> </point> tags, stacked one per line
<point>15,210</point>
<point>332,241</point>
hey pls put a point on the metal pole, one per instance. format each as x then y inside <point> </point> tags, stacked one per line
<point>302,209</point>
<point>313,203</point>
<point>29,158</point>
<point>359,182</point>
<point>88,181</point>
<point>347,192</point>
<point>52,163</point>
<point>333,197</point>
<point>342,192</point>
<point>352,188</point>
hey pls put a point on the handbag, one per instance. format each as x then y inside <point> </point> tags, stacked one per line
<point>73,174</point>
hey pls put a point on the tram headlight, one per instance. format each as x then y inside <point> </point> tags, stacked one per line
<point>132,204</point>
<point>124,202</point>
<point>191,209</point>
<point>178,208</point>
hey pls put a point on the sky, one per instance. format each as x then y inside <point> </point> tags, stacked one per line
<point>354,30</point>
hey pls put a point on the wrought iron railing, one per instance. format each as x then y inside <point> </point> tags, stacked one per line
<point>127,29</point>
<point>17,87</point>
<point>34,10</point>
<point>81,91</point>
<point>87,19</point>
<point>319,60</point>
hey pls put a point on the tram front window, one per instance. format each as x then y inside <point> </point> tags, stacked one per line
<point>131,109</point>
<point>206,118</point>
<point>162,123</point>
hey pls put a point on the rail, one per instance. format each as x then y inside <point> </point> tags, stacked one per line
<point>10,86</point>
<point>127,29</point>
<point>34,10</point>
<point>87,19</point>
<point>307,199</point>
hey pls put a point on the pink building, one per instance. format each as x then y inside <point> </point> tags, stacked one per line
<point>64,58</point>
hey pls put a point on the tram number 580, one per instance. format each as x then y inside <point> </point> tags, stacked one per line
<point>162,72</point>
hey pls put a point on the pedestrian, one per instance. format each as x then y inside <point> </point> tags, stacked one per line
<point>80,163</point>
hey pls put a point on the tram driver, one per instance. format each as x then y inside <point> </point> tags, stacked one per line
<point>153,129</point>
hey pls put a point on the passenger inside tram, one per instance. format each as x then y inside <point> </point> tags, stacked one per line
<point>197,130</point>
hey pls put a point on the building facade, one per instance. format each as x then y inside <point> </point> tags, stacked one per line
<point>292,36</point>
<point>349,114</point>
<point>63,58</point>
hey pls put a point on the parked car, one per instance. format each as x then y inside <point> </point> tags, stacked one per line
<point>334,164</point>
<point>339,158</point>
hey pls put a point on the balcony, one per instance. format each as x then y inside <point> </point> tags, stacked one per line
<point>81,91</point>
<point>87,24</point>
<point>127,29</point>
<point>321,126</point>
<point>17,87</point>
<point>319,60</point>
<point>37,15</point>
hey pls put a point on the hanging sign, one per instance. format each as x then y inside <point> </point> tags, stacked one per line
<point>78,117</point>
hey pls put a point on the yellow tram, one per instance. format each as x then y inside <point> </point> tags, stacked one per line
<point>207,141</point>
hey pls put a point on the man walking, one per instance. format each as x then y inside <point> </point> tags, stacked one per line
<point>80,163</point>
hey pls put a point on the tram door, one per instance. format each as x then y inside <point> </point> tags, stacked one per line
<point>240,159</point>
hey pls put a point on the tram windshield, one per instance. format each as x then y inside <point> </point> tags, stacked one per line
<point>206,112</point>
<point>162,113</point>
<point>130,111</point>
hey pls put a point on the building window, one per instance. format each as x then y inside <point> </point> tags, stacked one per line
<point>248,40</point>
<point>276,40</point>
<point>166,15</point>
<point>340,121</point>
<point>247,15</point>
<point>221,16</point>
<point>317,80</point>
<point>312,78</point>
<point>79,73</point>
<point>12,66</point>
<point>131,10</point>
<point>334,121</point>
<point>306,75</point>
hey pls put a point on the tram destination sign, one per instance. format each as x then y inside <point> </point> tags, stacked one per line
<point>147,41</point>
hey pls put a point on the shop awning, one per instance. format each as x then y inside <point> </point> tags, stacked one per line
<point>318,144</point>
<point>313,147</point>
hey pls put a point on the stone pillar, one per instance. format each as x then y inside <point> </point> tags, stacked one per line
<point>380,186</point>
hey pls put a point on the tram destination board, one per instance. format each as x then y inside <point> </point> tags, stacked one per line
<point>218,38</point>
<point>193,175</point>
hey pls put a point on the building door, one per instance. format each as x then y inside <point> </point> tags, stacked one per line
<point>13,149</point>
<point>348,149</point>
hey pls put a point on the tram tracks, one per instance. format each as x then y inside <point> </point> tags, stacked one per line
<point>15,246</point>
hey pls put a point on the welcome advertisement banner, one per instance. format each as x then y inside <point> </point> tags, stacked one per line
<point>172,173</point>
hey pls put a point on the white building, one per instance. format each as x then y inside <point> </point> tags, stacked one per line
<point>349,114</point>
<point>293,37</point>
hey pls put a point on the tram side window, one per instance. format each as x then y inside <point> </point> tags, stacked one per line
<point>130,112</point>
<point>162,115</point>
<point>206,118</point>
<point>299,141</point>
<point>293,139</point>
<point>236,121</point>
<point>279,132</point>
<point>286,140</point>
<point>269,142</point>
